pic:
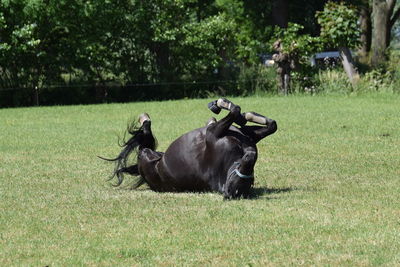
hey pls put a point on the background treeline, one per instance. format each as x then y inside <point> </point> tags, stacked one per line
<point>85,51</point>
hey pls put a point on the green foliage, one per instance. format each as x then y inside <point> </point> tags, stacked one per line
<point>2,21</point>
<point>256,80</point>
<point>339,26</point>
<point>207,43</point>
<point>22,46</point>
<point>168,16</point>
<point>331,81</point>
<point>121,42</point>
<point>23,39</point>
<point>296,44</point>
<point>393,68</point>
<point>4,47</point>
<point>251,31</point>
<point>126,42</point>
<point>300,48</point>
<point>386,78</point>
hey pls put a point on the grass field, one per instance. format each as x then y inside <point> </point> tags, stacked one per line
<point>327,186</point>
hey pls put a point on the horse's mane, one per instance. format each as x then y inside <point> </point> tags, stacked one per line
<point>131,145</point>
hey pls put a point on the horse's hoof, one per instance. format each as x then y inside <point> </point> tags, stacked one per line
<point>143,117</point>
<point>255,117</point>
<point>213,107</point>
<point>224,103</point>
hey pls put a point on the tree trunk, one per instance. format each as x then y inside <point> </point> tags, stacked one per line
<point>366,33</point>
<point>36,96</point>
<point>348,65</point>
<point>162,53</point>
<point>393,16</point>
<point>286,84</point>
<point>280,13</point>
<point>101,93</point>
<point>381,18</point>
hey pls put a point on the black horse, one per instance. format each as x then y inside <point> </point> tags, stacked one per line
<point>218,157</point>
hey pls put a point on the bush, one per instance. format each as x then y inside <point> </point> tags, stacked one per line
<point>334,80</point>
<point>331,81</point>
<point>376,80</point>
<point>385,78</point>
<point>256,79</point>
<point>393,68</point>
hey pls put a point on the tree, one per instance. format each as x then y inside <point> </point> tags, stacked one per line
<point>339,29</point>
<point>280,13</point>
<point>366,30</point>
<point>384,17</point>
<point>20,50</point>
<point>293,51</point>
<point>253,27</point>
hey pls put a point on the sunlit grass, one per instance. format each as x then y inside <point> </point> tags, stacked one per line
<point>327,186</point>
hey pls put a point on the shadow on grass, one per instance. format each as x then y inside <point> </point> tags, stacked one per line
<point>261,191</point>
<point>255,193</point>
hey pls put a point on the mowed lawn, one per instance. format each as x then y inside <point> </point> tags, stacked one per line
<point>327,188</point>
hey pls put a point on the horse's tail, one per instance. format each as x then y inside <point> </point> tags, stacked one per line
<point>140,137</point>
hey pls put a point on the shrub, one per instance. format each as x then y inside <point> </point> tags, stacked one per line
<point>331,81</point>
<point>256,79</point>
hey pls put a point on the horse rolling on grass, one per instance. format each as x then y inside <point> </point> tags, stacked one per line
<point>219,157</point>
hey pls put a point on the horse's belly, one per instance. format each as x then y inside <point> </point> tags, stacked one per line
<point>181,172</point>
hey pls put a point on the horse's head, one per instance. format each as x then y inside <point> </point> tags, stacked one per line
<point>241,176</point>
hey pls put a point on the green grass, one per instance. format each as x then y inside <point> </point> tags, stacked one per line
<point>328,186</point>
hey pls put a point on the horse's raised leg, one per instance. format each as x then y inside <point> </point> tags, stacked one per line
<point>256,118</point>
<point>147,165</point>
<point>218,129</point>
<point>141,138</point>
<point>259,132</point>
<point>147,139</point>
<point>256,132</point>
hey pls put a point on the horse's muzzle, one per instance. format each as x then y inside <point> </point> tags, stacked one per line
<point>237,187</point>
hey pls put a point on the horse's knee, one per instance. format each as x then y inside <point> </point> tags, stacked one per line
<point>273,126</point>
<point>265,131</point>
<point>235,110</point>
<point>148,155</point>
<point>147,161</point>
